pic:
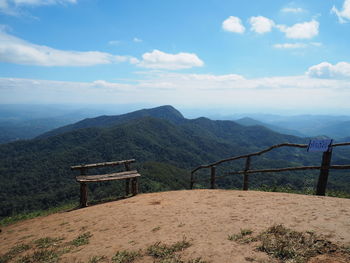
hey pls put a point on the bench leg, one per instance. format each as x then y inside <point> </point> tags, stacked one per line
<point>135,186</point>
<point>127,187</point>
<point>83,195</point>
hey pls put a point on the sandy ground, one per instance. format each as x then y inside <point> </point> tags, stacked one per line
<point>204,217</point>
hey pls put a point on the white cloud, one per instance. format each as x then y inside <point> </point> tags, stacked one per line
<point>290,45</point>
<point>40,2</point>
<point>297,45</point>
<point>292,10</point>
<point>289,92</point>
<point>328,71</point>
<point>304,30</point>
<point>343,15</point>
<point>114,42</point>
<point>261,24</point>
<point>11,7</point>
<point>233,24</point>
<point>161,60</point>
<point>18,51</point>
<point>137,40</point>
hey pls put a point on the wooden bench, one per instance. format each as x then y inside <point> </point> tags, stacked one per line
<point>128,175</point>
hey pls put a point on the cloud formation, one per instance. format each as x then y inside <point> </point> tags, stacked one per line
<point>326,70</point>
<point>137,40</point>
<point>292,10</point>
<point>304,30</point>
<point>297,45</point>
<point>161,60</point>
<point>202,90</point>
<point>233,24</point>
<point>343,15</point>
<point>18,51</point>
<point>11,7</point>
<point>261,24</point>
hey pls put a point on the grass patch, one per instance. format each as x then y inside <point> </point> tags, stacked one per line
<point>163,251</point>
<point>96,259</point>
<point>47,242</point>
<point>82,239</point>
<point>242,236</point>
<point>14,252</point>
<point>286,244</point>
<point>24,216</point>
<point>125,256</point>
<point>40,256</point>
<point>291,246</point>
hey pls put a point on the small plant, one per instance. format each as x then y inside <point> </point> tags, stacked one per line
<point>40,256</point>
<point>96,259</point>
<point>81,240</point>
<point>159,250</point>
<point>47,242</point>
<point>125,256</point>
<point>242,236</point>
<point>156,229</point>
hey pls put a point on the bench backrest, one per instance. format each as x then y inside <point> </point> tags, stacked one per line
<point>84,167</point>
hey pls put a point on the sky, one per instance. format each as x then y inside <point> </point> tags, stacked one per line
<point>263,56</point>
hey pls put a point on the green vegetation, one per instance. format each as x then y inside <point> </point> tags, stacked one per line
<point>163,251</point>
<point>242,236</point>
<point>23,216</point>
<point>13,252</point>
<point>40,256</point>
<point>50,250</point>
<point>45,250</point>
<point>82,239</point>
<point>125,256</point>
<point>47,242</point>
<point>35,175</point>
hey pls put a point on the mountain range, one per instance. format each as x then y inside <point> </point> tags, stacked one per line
<point>35,174</point>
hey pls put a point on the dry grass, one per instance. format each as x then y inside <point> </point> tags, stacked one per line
<point>288,245</point>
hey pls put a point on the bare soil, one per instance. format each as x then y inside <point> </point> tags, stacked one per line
<point>204,217</point>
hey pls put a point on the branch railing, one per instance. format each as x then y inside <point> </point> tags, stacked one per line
<point>322,180</point>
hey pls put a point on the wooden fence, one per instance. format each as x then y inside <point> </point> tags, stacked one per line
<point>322,180</point>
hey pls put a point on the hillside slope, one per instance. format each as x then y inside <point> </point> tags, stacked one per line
<point>166,112</point>
<point>204,218</point>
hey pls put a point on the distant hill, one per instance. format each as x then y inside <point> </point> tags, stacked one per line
<point>337,130</point>
<point>164,112</point>
<point>312,125</point>
<point>246,121</point>
<point>35,174</point>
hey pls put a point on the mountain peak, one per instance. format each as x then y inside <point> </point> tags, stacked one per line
<point>166,112</point>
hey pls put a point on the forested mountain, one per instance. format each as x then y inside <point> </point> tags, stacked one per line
<point>246,121</point>
<point>164,112</point>
<point>35,174</point>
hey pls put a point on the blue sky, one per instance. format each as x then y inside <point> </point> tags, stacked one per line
<point>256,55</point>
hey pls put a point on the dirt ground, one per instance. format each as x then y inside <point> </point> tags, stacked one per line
<point>204,217</point>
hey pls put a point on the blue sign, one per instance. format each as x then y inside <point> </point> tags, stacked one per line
<point>320,145</point>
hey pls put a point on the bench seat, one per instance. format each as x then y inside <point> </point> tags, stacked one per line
<point>107,177</point>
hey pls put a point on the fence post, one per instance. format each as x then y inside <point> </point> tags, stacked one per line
<point>127,181</point>
<point>212,179</point>
<point>83,190</point>
<point>323,178</point>
<point>246,175</point>
<point>191,184</point>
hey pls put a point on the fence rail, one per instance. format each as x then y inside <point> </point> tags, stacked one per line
<point>322,180</point>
